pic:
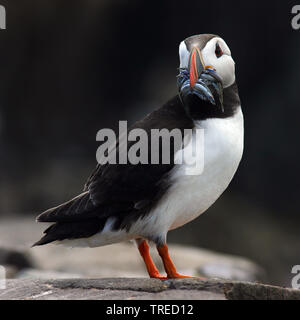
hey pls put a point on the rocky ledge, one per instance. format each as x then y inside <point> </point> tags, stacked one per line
<point>142,289</point>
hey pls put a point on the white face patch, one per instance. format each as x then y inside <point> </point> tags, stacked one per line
<point>224,64</point>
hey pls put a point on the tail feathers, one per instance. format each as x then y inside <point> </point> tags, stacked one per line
<point>71,230</point>
<point>79,208</point>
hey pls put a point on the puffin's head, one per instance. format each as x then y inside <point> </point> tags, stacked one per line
<point>207,51</point>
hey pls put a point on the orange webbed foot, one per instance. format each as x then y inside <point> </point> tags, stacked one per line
<point>169,266</point>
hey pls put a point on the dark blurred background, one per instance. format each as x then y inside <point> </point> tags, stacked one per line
<point>70,68</point>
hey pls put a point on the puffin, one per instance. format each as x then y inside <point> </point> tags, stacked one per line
<point>144,201</point>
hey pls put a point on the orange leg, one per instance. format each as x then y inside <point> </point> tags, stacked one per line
<point>168,264</point>
<point>151,268</point>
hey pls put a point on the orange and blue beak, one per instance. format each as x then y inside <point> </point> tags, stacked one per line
<point>196,66</point>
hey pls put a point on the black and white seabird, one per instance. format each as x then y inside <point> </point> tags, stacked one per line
<point>142,202</point>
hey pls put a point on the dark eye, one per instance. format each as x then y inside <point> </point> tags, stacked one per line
<point>218,51</point>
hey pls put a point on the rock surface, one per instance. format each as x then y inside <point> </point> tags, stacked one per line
<point>142,289</point>
<point>56,272</point>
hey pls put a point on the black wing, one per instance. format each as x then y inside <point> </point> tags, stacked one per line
<point>123,191</point>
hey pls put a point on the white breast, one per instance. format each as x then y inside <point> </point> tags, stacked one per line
<point>191,195</point>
